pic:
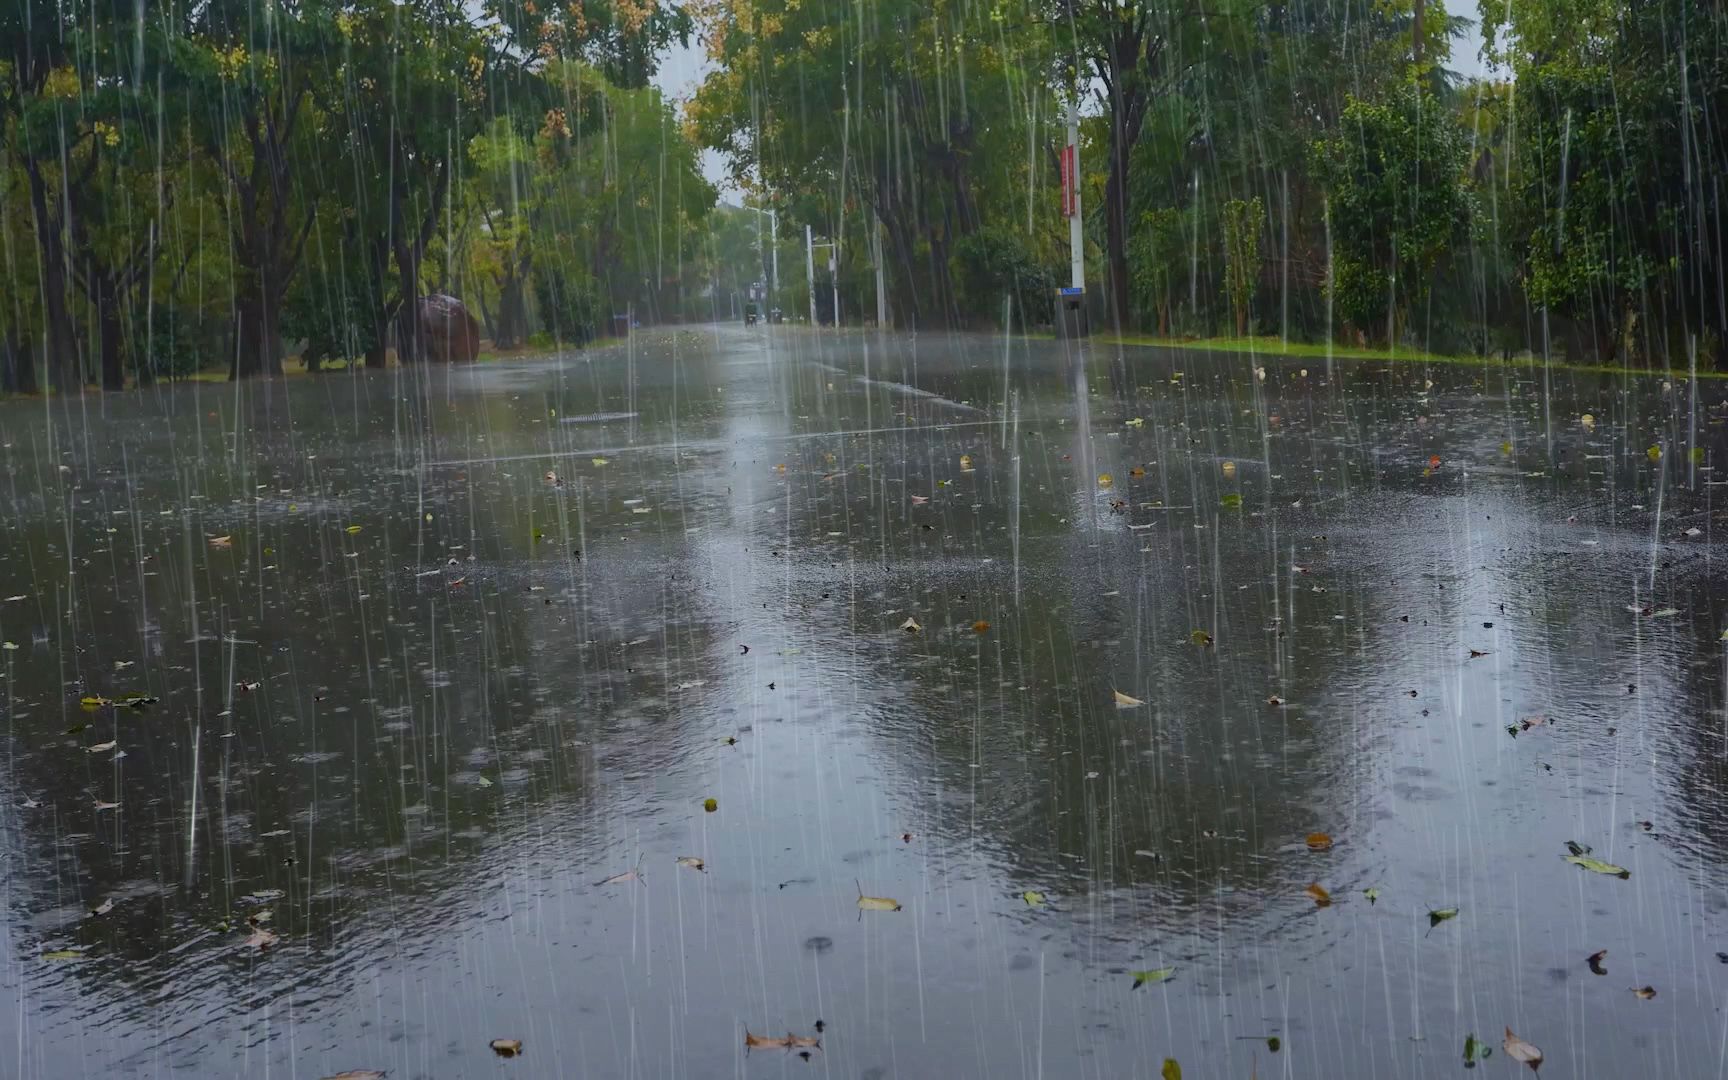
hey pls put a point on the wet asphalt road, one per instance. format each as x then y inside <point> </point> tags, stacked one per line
<point>448,663</point>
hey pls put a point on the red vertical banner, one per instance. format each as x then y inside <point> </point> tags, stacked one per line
<point>1068,181</point>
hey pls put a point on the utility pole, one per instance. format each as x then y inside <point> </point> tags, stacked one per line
<point>774,251</point>
<point>1071,301</point>
<point>876,257</point>
<point>1076,249</point>
<point>810,272</point>
<point>833,247</point>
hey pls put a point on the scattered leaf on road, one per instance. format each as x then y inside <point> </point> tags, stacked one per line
<point>1371,895</point>
<point>1033,899</point>
<point>1319,841</point>
<point>1519,1050</point>
<point>693,863</point>
<point>64,954</point>
<point>1475,1050</point>
<point>1156,975</point>
<point>1321,897</point>
<point>358,1074</point>
<point>261,939</point>
<point>1171,1070</point>
<point>1200,637</point>
<point>103,908</point>
<point>710,805</point>
<point>1123,701</point>
<point>1597,866</point>
<point>1645,993</point>
<point>1595,961</point>
<point>766,1042</point>
<point>911,625</point>
<point>506,1047</point>
<point>1440,915</point>
<point>875,903</point>
<point>100,747</point>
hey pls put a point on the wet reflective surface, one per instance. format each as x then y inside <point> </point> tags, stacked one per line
<point>424,701</point>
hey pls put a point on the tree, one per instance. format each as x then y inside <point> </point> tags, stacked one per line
<point>1393,172</point>
<point>40,92</point>
<point>1155,254</point>
<point>1612,172</point>
<point>1131,50</point>
<point>916,122</point>
<point>1243,221</point>
<point>501,194</point>
<point>252,89</point>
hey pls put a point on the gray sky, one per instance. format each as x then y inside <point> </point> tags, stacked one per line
<point>681,71</point>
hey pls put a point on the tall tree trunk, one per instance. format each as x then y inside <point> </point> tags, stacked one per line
<point>512,326</point>
<point>62,344</point>
<point>380,312</point>
<point>108,330</point>
<point>408,315</point>
<point>17,363</point>
<point>1127,115</point>
<point>258,330</point>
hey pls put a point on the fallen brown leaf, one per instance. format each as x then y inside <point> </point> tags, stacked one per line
<point>1519,1050</point>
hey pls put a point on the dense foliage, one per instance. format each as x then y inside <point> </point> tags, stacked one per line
<point>229,182</point>
<point>224,183</point>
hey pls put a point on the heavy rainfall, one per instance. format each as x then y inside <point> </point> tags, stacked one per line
<point>890,538</point>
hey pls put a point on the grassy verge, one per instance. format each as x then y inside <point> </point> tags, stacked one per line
<point>1271,346</point>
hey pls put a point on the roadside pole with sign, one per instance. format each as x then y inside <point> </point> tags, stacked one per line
<point>1071,299</point>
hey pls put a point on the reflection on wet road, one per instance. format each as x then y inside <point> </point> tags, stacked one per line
<point>453,668</point>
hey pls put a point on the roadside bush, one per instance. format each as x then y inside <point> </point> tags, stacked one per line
<point>993,263</point>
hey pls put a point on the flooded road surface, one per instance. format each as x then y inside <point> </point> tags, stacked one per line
<point>577,702</point>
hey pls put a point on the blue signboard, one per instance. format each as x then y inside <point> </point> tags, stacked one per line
<point>1071,290</point>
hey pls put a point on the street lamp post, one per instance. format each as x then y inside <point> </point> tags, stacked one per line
<point>774,249</point>
<point>833,247</point>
